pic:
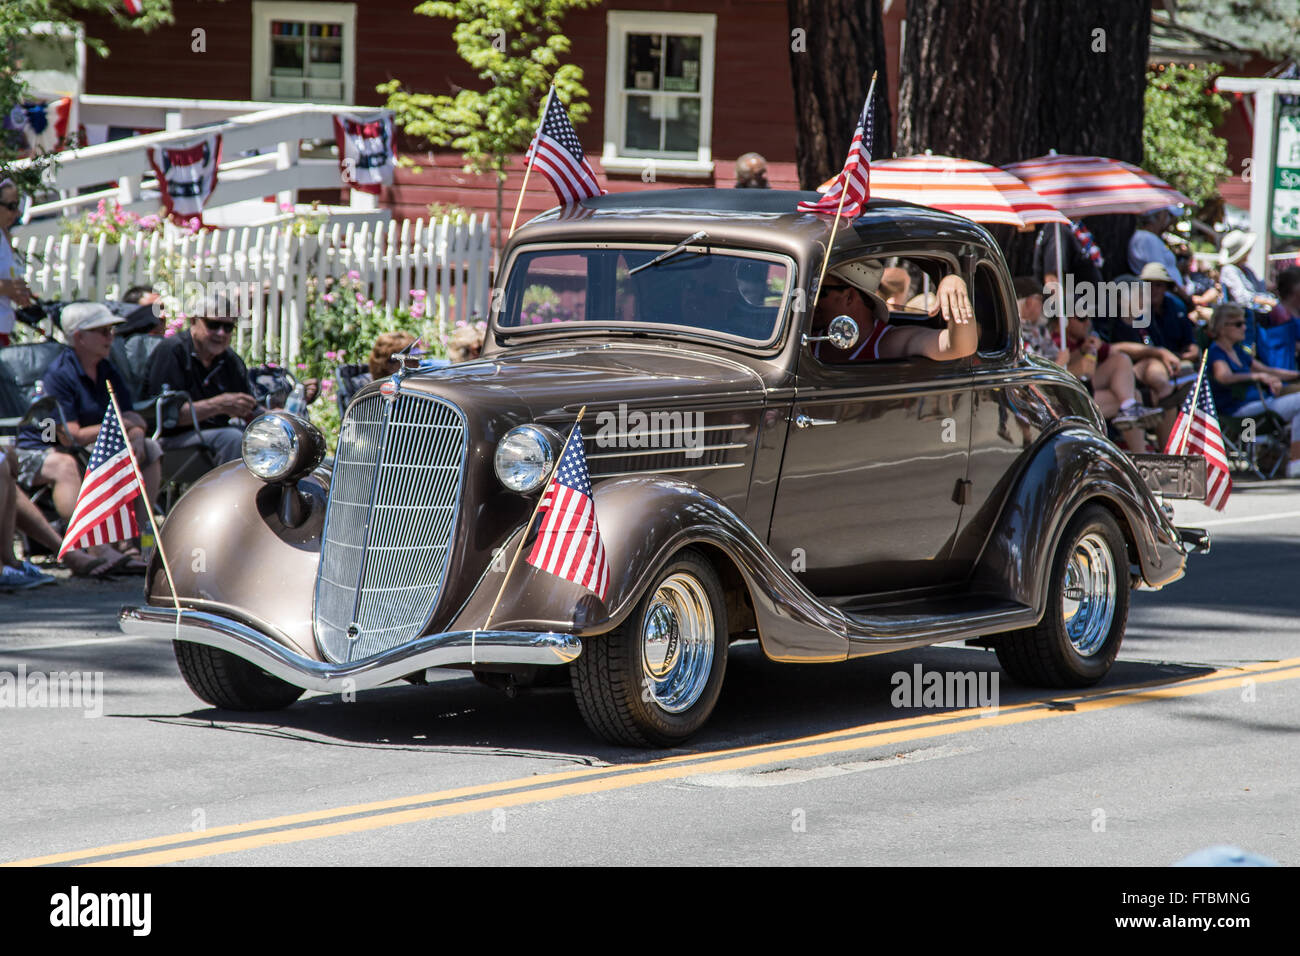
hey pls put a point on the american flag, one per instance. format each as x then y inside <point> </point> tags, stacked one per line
<point>568,544</point>
<point>105,509</point>
<point>1203,438</point>
<point>855,176</point>
<point>557,154</point>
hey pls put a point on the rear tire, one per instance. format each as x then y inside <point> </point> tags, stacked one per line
<point>229,682</point>
<point>1090,584</point>
<point>654,680</point>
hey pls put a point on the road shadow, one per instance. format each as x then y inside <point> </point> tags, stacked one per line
<point>762,702</point>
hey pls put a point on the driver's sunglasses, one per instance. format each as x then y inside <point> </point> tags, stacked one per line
<point>218,326</point>
<point>1235,325</point>
<point>12,206</point>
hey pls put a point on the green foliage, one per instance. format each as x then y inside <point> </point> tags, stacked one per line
<point>1178,140</point>
<point>17,20</point>
<point>1270,26</point>
<point>513,45</point>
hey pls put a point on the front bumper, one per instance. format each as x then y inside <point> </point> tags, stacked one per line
<point>464,648</point>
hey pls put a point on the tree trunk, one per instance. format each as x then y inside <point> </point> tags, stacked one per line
<point>1003,80</point>
<point>834,47</point>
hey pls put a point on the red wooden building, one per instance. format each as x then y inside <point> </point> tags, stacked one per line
<point>678,89</point>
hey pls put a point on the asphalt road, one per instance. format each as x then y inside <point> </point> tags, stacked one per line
<point>1190,742</point>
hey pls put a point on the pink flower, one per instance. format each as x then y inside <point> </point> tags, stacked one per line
<point>418,294</point>
<point>286,207</point>
<point>301,366</point>
<point>327,384</point>
<point>354,274</point>
<point>417,311</point>
<point>328,297</point>
<point>370,303</point>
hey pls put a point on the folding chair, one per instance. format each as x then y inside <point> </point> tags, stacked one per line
<point>180,467</point>
<point>28,362</point>
<point>1267,454</point>
<point>12,406</point>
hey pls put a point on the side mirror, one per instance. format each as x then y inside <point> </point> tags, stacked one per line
<point>842,333</point>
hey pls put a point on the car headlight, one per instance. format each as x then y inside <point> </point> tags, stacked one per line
<point>281,447</point>
<point>525,457</point>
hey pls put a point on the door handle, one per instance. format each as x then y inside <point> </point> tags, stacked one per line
<point>804,421</point>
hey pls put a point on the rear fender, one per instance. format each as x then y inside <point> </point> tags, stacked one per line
<point>1068,469</point>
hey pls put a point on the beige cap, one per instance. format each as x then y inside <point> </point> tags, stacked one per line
<point>81,316</point>
<point>1156,272</point>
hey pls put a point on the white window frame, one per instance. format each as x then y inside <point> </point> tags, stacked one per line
<point>620,24</point>
<point>264,11</point>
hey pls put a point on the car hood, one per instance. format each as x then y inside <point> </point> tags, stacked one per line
<point>557,381</point>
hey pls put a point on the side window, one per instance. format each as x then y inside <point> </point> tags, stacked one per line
<point>991,310</point>
<point>905,285</point>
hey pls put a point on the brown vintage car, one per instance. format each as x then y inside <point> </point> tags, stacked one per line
<point>749,482</point>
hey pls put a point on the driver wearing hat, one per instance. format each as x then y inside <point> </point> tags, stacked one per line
<point>850,289</point>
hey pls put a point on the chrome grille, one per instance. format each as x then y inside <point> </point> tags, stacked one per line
<point>393,500</point>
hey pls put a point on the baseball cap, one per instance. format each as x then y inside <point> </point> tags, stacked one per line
<point>82,316</point>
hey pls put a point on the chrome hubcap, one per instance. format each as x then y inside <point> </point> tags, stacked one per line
<point>677,643</point>
<point>1088,602</point>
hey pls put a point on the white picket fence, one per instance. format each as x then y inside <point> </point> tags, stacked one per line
<point>450,262</point>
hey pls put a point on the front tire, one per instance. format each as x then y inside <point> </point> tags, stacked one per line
<point>1076,642</point>
<point>654,680</point>
<point>229,682</point>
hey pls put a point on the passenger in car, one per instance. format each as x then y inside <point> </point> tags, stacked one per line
<point>850,290</point>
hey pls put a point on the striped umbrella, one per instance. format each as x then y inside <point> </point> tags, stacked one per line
<point>1094,185</point>
<point>962,186</point>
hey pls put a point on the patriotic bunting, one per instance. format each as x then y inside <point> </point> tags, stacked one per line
<point>366,149</point>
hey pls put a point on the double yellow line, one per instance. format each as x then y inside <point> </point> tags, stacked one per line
<point>319,824</point>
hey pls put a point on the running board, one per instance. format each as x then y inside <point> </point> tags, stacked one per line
<point>880,629</point>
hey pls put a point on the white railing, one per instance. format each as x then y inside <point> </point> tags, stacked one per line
<point>271,136</point>
<point>450,261</point>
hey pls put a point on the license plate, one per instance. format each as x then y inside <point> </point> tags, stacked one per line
<point>1173,476</point>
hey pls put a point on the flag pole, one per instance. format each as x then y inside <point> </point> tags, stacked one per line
<point>528,171</point>
<point>148,505</point>
<point>1196,397</point>
<point>836,224</point>
<point>531,518</point>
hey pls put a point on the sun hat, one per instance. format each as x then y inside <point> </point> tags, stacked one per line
<point>865,277</point>
<point>1235,245</point>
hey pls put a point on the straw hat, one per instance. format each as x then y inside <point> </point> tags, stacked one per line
<point>1156,272</point>
<point>1235,245</point>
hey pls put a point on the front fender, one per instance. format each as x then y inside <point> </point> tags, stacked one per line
<point>229,553</point>
<point>643,522</point>
<point>1068,468</point>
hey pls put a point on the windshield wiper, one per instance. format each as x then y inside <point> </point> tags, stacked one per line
<point>663,256</point>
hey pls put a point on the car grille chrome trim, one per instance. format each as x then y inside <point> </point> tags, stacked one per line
<point>394,499</point>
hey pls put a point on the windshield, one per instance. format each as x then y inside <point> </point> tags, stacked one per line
<point>724,293</point>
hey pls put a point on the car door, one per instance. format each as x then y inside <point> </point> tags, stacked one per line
<point>868,496</point>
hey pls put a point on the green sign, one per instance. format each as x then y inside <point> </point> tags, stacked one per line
<point>1286,181</point>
